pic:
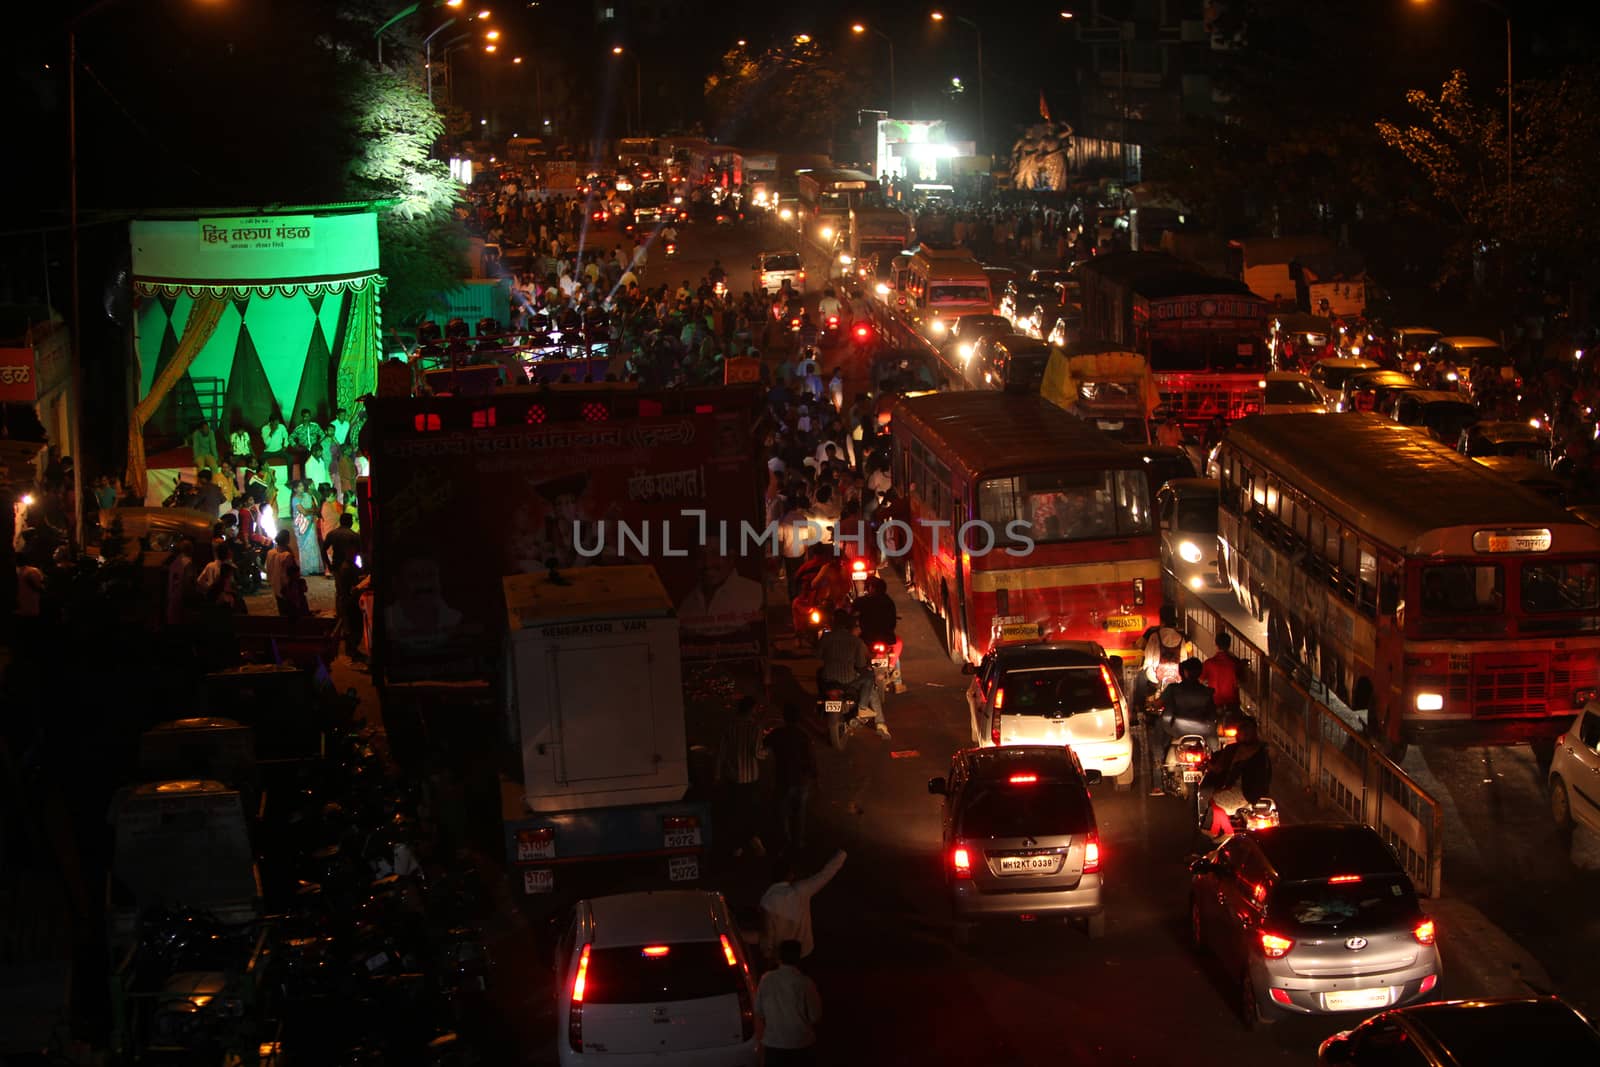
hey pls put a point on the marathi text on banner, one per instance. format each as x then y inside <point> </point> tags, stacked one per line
<point>279,231</point>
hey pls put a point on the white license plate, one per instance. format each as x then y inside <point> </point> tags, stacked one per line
<point>538,881</point>
<point>1029,864</point>
<point>682,838</point>
<point>683,868</point>
<point>833,707</point>
<point>1191,776</point>
<point>1356,999</point>
<point>881,661</point>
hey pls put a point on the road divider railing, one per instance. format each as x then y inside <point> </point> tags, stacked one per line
<point>1337,764</point>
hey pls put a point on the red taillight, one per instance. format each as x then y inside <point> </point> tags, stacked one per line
<point>1091,854</point>
<point>727,950</point>
<point>1275,947</point>
<point>1115,696</point>
<point>1023,779</point>
<point>879,646</point>
<point>859,567</point>
<point>961,863</point>
<point>747,1007</point>
<point>1344,879</point>
<point>862,333</point>
<point>999,699</point>
<point>833,321</point>
<point>1425,932</point>
<point>575,1012</point>
<point>1191,755</point>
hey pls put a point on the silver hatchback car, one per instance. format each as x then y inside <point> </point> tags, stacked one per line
<point>1313,919</point>
<point>1020,839</point>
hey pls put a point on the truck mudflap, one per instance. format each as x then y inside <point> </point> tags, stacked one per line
<point>664,843</point>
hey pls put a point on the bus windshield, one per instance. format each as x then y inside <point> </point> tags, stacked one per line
<point>1196,350</point>
<point>1080,505</point>
<point>958,293</point>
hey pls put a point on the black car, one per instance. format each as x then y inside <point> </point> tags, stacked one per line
<point>1466,1033</point>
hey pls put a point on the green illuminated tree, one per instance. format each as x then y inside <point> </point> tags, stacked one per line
<point>422,243</point>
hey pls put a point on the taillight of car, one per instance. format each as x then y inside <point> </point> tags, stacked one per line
<point>1274,947</point>
<point>1424,932</point>
<point>580,985</point>
<point>1115,696</point>
<point>1091,854</point>
<point>961,863</point>
<point>747,1006</point>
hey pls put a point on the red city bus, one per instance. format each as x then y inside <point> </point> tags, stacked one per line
<point>1440,599</point>
<point>1075,544</point>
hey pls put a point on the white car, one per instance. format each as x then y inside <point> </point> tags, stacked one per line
<point>1187,508</point>
<point>655,978</point>
<point>1575,772</point>
<point>1287,392</point>
<point>1054,693</point>
<point>772,269</point>
<point>1329,376</point>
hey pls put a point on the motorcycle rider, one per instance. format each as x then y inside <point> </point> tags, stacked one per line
<point>1187,707</point>
<point>829,307</point>
<point>878,618</point>
<point>1222,672</point>
<point>846,665</point>
<point>1244,766</point>
<point>1165,647</point>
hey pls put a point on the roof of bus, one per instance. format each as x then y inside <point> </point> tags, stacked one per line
<point>1399,486</point>
<point>1157,274</point>
<point>1002,431</point>
<point>828,175</point>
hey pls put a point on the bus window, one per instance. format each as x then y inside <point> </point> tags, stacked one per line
<point>1550,587</point>
<point>1069,506</point>
<point>1330,547</point>
<point>957,293</point>
<point>1388,587</point>
<point>1462,589</point>
<point>1314,543</point>
<point>1367,589</point>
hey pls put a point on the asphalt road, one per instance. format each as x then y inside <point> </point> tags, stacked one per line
<point>897,990</point>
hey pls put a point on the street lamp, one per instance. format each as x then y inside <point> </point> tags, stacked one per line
<point>638,81</point>
<point>1506,13</point>
<point>1122,82</point>
<point>940,16</point>
<point>861,28</point>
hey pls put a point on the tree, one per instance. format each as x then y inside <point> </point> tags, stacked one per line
<point>792,94</point>
<point>1544,220</point>
<point>422,244</point>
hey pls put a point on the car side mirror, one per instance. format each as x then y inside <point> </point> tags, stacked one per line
<point>1092,777</point>
<point>938,787</point>
<point>969,668</point>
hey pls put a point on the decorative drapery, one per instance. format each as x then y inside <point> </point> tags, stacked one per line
<point>202,323</point>
<point>242,291</point>
<point>358,356</point>
<point>250,401</point>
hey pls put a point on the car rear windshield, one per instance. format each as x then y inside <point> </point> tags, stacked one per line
<point>1039,809</point>
<point>1063,691</point>
<point>690,970</point>
<point>788,262</point>
<point>1322,906</point>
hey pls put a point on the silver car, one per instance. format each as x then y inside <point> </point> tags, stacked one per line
<point>1575,773</point>
<point>1312,919</point>
<point>1020,839</point>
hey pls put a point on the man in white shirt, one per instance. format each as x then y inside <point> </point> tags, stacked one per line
<point>829,306</point>
<point>722,601</point>
<point>786,906</point>
<point>340,427</point>
<point>274,436</point>
<point>789,1008</point>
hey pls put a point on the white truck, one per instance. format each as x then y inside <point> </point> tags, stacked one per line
<point>595,703</point>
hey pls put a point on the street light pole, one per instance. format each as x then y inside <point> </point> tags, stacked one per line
<point>1122,84</point>
<point>860,28</point>
<point>75,395</point>
<point>427,50</point>
<point>638,86</point>
<point>983,132</point>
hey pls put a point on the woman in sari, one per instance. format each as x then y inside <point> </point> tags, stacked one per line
<point>303,505</point>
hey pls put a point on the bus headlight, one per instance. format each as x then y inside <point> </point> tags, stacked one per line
<point>965,350</point>
<point>827,233</point>
<point>786,214</point>
<point>881,289</point>
<point>845,259</point>
<point>937,327</point>
<point>1190,552</point>
<point>1430,702</point>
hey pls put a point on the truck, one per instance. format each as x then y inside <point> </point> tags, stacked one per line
<point>595,700</point>
<point>1105,385</point>
<point>1203,337</point>
<point>874,232</point>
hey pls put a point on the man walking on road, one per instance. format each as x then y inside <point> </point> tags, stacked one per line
<point>796,767</point>
<point>786,905</point>
<point>789,1008</point>
<point>739,770</point>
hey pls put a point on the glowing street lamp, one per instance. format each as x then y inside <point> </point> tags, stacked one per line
<point>492,35</point>
<point>860,29</point>
<point>638,81</point>
<point>489,48</point>
<point>939,16</point>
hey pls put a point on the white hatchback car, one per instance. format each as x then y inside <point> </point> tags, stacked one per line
<point>1575,772</point>
<point>1288,392</point>
<point>1054,693</point>
<point>655,978</point>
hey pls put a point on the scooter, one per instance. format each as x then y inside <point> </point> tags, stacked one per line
<point>672,249</point>
<point>830,332</point>
<point>1260,815</point>
<point>1183,767</point>
<point>861,571</point>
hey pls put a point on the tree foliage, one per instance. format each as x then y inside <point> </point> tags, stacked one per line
<point>1546,215</point>
<point>422,243</point>
<point>793,94</point>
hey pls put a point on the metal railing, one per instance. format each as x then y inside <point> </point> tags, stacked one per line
<point>1338,766</point>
